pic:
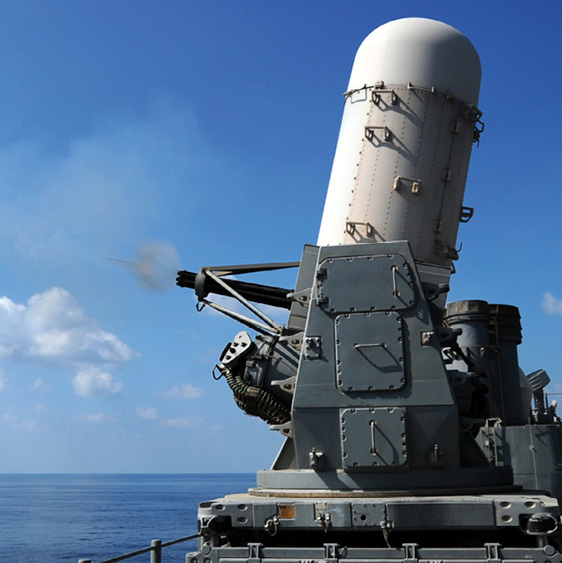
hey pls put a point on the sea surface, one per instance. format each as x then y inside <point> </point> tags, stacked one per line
<point>52,518</point>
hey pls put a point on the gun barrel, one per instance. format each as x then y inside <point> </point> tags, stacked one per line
<point>255,292</point>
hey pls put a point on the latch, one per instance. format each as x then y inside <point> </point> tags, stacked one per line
<point>386,527</point>
<point>324,519</point>
<point>271,526</point>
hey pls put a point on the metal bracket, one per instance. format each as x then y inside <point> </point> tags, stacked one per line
<point>294,340</point>
<point>414,183</point>
<point>370,132</point>
<point>427,337</point>
<point>431,90</point>
<point>316,459</point>
<point>466,214</point>
<point>474,115</point>
<point>254,552</point>
<point>313,347</point>
<point>493,552</point>
<point>376,96</point>
<point>287,385</point>
<point>410,552</point>
<point>331,552</point>
<point>239,347</point>
<point>434,290</point>
<point>302,297</point>
<point>286,429</point>
<point>351,227</point>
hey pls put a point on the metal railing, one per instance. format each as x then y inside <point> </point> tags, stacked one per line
<point>155,550</point>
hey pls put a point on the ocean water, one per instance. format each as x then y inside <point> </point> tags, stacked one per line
<point>52,518</point>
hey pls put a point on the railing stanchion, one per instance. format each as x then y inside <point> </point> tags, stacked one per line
<point>156,553</point>
<point>155,550</point>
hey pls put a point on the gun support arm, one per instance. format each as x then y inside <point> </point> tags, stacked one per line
<point>203,285</point>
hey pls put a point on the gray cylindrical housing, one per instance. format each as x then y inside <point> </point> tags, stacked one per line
<point>472,317</point>
<point>490,336</point>
<point>402,157</point>
<point>505,333</point>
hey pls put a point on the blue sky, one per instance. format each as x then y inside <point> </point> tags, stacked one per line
<point>202,133</point>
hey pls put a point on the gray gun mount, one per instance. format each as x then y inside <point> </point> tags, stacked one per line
<point>374,407</point>
<point>411,433</point>
<point>407,424</point>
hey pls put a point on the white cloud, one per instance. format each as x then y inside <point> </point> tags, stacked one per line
<point>22,425</point>
<point>52,329</point>
<point>3,381</point>
<point>93,382</point>
<point>551,305</point>
<point>148,412</point>
<point>93,418</point>
<point>186,391</point>
<point>181,422</point>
